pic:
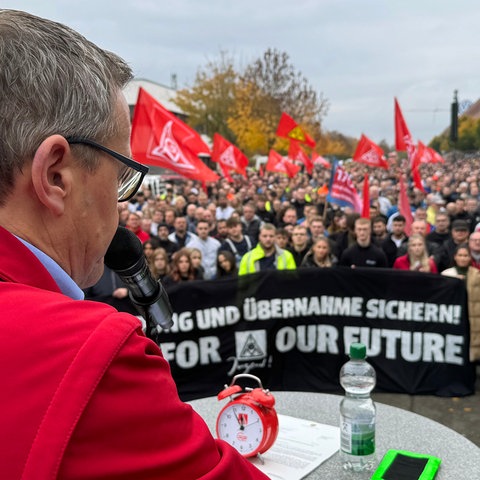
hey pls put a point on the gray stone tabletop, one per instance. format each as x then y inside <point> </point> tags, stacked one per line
<point>396,429</point>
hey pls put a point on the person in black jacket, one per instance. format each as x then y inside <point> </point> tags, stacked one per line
<point>396,240</point>
<point>319,255</point>
<point>363,253</point>
<point>300,244</point>
<point>444,255</point>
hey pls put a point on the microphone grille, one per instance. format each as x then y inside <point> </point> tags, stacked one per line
<point>124,251</point>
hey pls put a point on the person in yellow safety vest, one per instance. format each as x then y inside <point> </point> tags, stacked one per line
<point>266,255</point>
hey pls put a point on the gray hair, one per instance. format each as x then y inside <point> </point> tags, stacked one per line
<point>52,81</point>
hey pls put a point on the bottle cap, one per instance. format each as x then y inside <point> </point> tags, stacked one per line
<point>358,351</point>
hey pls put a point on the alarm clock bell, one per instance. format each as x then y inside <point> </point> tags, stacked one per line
<point>248,422</point>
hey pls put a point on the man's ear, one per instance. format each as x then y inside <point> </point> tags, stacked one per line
<point>52,173</point>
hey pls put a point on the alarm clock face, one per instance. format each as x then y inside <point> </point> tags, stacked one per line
<point>241,426</point>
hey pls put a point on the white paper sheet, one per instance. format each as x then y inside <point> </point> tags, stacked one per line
<point>301,446</point>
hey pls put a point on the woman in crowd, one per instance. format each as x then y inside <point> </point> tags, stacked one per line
<point>182,268</point>
<point>319,255</point>
<point>462,260</point>
<point>226,265</point>
<point>416,258</point>
<point>159,264</point>
<point>471,275</point>
<point>339,223</point>
<point>196,257</point>
<point>148,249</point>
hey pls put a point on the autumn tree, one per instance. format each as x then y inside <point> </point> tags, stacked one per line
<point>337,144</point>
<point>468,137</point>
<point>209,102</point>
<point>245,107</point>
<point>269,86</point>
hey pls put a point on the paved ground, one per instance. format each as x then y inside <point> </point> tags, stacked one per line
<point>459,414</point>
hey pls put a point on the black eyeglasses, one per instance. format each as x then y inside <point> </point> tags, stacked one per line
<point>130,180</point>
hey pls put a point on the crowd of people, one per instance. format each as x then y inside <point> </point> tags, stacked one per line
<point>273,222</point>
<point>258,223</point>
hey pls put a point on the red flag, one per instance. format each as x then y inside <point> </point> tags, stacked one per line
<point>417,179</point>
<point>228,156</point>
<point>403,138</point>
<point>318,159</point>
<point>369,153</point>
<point>277,163</point>
<point>295,152</point>
<point>366,198</point>
<point>436,157</point>
<point>160,138</point>
<point>288,128</point>
<point>425,154</point>
<point>404,207</point>
<point>342,190</point>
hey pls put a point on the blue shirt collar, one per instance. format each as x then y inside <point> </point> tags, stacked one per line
<point>63,280</point>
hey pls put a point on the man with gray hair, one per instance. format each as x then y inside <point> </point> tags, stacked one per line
<point>87,395</point>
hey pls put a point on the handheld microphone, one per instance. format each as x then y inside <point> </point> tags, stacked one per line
<point>125,257</point>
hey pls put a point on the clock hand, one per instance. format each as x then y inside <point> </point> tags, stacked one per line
<point>256,421</point>
<point>240,423</point>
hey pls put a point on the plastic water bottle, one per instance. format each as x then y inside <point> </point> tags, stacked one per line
<point>357,412</point>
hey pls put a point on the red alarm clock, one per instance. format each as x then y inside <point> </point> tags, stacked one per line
<point>248,422</point>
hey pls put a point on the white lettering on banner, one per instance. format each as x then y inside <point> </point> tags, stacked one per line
<point>182,322</point>
<point>412,346</point>
<point>217,317</point>
<point>188,354</point>
<point>307,338</point>
<point>415,311</point>
<point>327,305</point>
<point>301,307</point>
<point>251,346</point>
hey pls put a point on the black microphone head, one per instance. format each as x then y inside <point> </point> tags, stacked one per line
<point>124,251</point>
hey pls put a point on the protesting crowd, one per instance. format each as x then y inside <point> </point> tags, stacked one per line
<point>275,222</point>
<point>287,223</point>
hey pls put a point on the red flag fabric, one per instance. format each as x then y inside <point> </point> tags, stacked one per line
<point>295,152</point>
<point>424,154</point>
<point>403,138</point>
<point>366,197</point>
<point>369,153</point>
<point>279,164</point>
<point>318,159</point>
<point>436,157</point>
<point>404,207</point>
<point>228,156</point>
<point>288,128</point>
<point>160,138</point>
<point>417,179</point>
<point>342,190</point>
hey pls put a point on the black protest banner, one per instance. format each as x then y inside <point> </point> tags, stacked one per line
<point>293,330</point>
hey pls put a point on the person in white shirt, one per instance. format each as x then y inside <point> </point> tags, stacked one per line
<point>224,210</point>
<point>208,246</point>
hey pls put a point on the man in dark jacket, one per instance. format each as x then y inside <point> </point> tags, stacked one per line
<point>363,253</point>
<point>395,240</point>
<point>444,255</point>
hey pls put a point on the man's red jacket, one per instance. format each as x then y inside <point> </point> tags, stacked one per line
<point>85,395</point>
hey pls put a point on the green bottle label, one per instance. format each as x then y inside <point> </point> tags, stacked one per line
<point>357,438</point>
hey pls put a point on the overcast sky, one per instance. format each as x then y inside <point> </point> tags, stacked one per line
<point>358,54</point>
